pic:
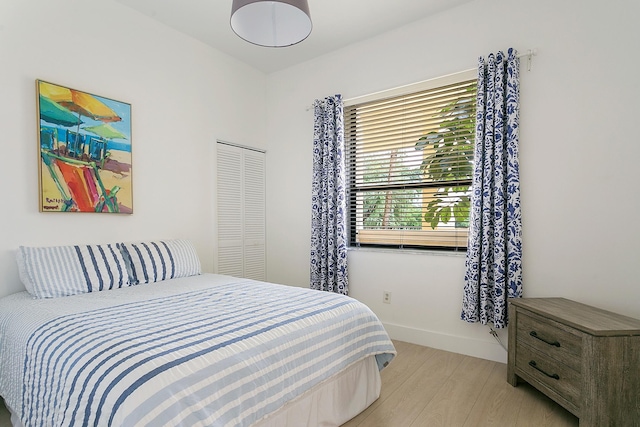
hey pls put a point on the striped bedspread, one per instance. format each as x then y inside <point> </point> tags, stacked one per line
<point>205,350</point>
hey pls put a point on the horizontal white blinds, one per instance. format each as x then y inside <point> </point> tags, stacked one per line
<point>409,166</point>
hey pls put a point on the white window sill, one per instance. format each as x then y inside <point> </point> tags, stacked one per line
<point>426,252</point>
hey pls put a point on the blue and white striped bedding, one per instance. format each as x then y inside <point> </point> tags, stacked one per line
<point>57,271</point>
<point>153,261</point>
<point>202,350</point>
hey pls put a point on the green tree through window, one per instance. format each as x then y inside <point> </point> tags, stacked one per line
<point>449,159</point>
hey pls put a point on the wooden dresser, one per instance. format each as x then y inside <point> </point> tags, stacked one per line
<point>584,358</point>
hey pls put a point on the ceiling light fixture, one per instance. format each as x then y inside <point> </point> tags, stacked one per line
<point>271,23</point>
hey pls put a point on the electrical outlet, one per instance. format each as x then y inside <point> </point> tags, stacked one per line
<point>386,297</point>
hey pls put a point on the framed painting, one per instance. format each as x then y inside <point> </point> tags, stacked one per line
<point>84,145</point>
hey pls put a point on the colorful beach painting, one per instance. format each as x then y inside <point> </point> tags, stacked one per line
<point>85,151</point>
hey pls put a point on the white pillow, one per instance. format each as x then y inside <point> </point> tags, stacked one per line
<point>153,261</point>
<point>57,271</point>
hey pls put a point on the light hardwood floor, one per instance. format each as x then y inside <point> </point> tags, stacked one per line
<point>427,387</point>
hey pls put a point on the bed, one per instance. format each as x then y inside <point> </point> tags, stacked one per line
<point>183,349</point>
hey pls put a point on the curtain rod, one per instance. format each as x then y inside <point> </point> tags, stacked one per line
<point>529,54</point>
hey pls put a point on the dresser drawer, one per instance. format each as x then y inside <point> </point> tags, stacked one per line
<point>584,358</point>
<point>551,339</point>
<point>556,376</point>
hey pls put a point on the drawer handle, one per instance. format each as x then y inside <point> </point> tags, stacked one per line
<point>535,366</point>
<point>535,335</point>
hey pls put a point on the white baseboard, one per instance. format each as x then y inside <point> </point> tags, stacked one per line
<point>463,345</point>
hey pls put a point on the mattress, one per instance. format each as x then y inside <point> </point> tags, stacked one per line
<point>202,350</point>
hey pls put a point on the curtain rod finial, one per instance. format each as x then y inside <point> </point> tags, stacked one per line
<point>530,53</point>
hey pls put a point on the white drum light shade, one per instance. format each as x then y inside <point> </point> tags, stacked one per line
<point>271,23</point>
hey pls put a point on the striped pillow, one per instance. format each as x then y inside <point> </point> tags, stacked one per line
<point>160,260</point>
<point>50,272</point>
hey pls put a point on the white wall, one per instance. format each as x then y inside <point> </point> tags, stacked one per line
<point>579,154</point>
<point>578,151</point>
<point>184,96</point>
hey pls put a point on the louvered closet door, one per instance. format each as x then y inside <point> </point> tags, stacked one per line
<point>241,212</point>
<point>254,215</point>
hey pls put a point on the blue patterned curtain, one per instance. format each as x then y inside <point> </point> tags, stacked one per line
<point>328,210</point>
<point>494,254</point>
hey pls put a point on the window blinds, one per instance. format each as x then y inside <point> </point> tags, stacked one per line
<point>409,166</point>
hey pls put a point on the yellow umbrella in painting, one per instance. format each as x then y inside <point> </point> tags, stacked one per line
<point>84,104</point>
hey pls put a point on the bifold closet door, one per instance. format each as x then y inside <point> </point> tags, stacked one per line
<point>241,212</point>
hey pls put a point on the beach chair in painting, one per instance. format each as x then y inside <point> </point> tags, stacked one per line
<point>75,144</point>
<point>95,149</point>
<point>47,138</point>
<point>98,151</point>
<point>86,192</point>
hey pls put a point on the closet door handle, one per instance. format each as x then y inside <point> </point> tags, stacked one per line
<point>535,366</point>
<point>535,335</point>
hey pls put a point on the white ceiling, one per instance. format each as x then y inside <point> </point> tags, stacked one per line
<point>336,23</point>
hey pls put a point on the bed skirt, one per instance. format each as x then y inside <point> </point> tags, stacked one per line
<point>332,402</point>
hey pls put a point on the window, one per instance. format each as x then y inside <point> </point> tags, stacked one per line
<point>410,164</point>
